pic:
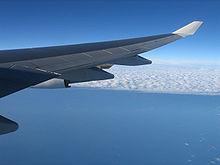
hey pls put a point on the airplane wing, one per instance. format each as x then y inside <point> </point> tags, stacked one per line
<point>59,66</point>
<point>17,78</point>
<point>7,126</point>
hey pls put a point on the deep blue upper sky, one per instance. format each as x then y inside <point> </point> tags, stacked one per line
<point>34,24</point>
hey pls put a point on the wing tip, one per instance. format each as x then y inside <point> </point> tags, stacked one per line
<point>189,29</point>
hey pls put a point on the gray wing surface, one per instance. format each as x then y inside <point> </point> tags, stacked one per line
<point>82,60</point>
<point>60,58</point>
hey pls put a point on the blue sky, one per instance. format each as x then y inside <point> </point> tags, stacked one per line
<point>34,24</point>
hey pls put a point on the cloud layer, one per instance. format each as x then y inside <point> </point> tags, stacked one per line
<point>163,78</point>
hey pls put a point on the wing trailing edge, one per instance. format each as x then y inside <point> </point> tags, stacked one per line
<point>132,61</point>
<point>84,75</point>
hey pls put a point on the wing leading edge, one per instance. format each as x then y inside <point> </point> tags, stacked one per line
<point>37,65</point>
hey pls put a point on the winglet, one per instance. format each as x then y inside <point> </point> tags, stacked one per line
<point>189,29</point>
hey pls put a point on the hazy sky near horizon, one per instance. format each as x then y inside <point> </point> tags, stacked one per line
<point>46,23</point>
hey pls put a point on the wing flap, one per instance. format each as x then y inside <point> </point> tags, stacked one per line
<point>84,75</point>
<point>132,61</point>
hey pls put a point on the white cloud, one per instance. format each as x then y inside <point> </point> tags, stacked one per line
<point>186,144</point>
<point>163,78</point>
